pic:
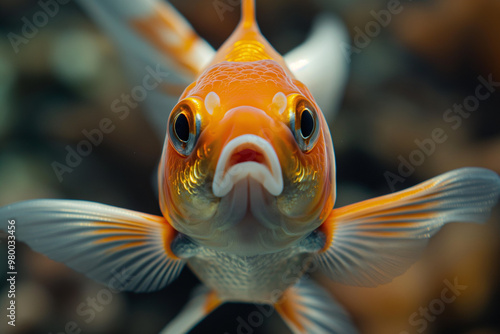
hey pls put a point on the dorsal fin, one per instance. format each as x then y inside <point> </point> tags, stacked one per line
<point>246,43</point>
<point>248,14</point>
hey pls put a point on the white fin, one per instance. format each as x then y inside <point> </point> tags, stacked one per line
<point>371,242</point>
<point>168,45</point>
<point>99,241</point>
<point>309,309</point>
<point>202,303</point>
<point>321,64</point>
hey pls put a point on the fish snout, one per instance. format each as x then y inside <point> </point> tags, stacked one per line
<point>248,156</point>
<point>247,153</point>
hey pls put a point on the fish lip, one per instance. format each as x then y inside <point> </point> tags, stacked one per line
<point>268,173</point>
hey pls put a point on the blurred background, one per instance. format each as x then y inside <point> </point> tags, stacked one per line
<point>403,80</point>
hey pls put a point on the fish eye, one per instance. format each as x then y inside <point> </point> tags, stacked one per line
<point>305,124</point>
<point>183,128</point>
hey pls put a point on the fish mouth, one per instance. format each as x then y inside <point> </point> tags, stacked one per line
<point>248,156</point>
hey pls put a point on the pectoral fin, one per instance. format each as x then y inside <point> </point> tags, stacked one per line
<point>99,240</point>
<point>308,309</point>
<point>371,242</point>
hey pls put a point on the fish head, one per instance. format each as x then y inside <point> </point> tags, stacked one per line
<point>248,162</point>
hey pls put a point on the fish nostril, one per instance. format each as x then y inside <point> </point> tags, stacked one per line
<point>244,112</point>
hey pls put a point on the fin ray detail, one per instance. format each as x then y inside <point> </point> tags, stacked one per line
<point>371,242</point>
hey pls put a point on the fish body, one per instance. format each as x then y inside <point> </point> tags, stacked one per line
<point>247,189</point>
<point>250,279</point>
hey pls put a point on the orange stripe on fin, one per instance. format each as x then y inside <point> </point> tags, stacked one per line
<point>380,209</point>
<point>287,308</point>
<point>372,242</point>
<point>171,35</point>
<point>212,302</point>
<point>308,308</point>
<point>169,235</point>
<point>126,246</point>
<point>114,238</point>
<point>137,234</point>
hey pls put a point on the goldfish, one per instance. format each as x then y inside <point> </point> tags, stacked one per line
<point>247,189</point>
